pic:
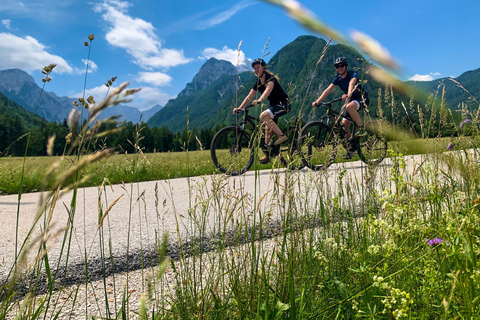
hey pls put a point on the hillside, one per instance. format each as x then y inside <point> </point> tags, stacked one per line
<point>20,87</point>
<point>14,122</point>
<point>469,80</point>
<point>16,111</point>
<point>208,92</point>
<point>296,66</point>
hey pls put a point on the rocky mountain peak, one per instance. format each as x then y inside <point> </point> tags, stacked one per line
<point>211,70</point>
<point>13,80</point>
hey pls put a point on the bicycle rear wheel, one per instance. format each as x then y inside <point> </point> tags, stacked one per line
<point>290,155</point>
<point>372,147</point>
<point>232,151</point>
<point>317,146</point>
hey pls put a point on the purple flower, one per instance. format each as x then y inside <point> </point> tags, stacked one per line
<point>451,145</point>
<point>433,242</point>
<point>464,122</point>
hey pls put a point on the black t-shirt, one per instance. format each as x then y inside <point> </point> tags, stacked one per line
<point>344,83</point>
<point>277,96</point>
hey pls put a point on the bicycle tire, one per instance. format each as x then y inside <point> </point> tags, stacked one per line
<point>317,145</point>
<point>232,151</point>
<point>372,148</point>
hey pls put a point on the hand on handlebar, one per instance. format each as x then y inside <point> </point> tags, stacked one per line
<point>237,110</point>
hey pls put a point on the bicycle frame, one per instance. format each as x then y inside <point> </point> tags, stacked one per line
<point>254,124</point>
<point>332,119</point>
<point>248,119</point>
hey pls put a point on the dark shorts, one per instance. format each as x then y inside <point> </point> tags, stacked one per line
<point>279,110</point>
<point>363,104</point>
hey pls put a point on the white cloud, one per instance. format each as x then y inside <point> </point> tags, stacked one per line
<point>28,54</point>
<point>98,93</point>
<point>92,67</point>
<point>233,56</point>
<point>148,97</point>
<point>425,77</point>
<point>137,37</point>
<point>155,78</point>
<point>224,16</point>
<point>6,23</point>
<point>200,20</point>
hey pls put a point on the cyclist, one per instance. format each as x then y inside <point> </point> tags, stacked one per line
<point>356,98</point>
<point>270,89</point>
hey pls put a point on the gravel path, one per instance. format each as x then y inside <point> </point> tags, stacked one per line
<point>137,216</point>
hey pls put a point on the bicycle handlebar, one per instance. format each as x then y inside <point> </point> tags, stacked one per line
<point>328,103</point>
<point>246,108</point>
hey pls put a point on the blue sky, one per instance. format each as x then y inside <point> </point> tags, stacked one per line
<point>160,45</point>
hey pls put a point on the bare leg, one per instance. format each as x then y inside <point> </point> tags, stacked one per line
<point>270,125</point>
<point>352,110</point>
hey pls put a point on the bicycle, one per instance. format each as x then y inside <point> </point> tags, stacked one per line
<point>320,141</point>
<point>232,148</point>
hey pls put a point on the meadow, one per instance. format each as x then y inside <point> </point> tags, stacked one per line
<point>398,242</point>
<point>126,168</point>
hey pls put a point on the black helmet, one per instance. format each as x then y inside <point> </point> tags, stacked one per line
<point>257,61</point>
<point>340,61</point>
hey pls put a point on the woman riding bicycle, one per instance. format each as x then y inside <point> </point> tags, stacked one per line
<point>356,98</point>
<point>270,89</point>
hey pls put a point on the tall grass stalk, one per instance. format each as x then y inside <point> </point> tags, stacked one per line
<point>398,241</point>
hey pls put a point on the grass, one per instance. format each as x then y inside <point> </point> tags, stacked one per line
<point>297,245</point>
<point>121,168</point>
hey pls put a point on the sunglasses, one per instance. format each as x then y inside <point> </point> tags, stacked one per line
<point>340,66</point>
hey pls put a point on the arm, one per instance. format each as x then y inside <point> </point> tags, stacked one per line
<point>247,99</point>
<point>351,86</point>
<point>324,94</point>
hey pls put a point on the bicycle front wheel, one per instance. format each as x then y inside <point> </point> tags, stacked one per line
<point>232,151</point>
<point>372,148</point>
<point>317,146</point>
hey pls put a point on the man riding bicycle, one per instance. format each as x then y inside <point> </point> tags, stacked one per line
<point>269,87</point>
<point>355,97</point>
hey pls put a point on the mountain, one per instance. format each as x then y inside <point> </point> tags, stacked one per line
<point>209,90</point>
<point>129,113</point>
<point>20,87</point>
<point>469,80</point>
<point>296,66</point>
<point>147,114</point>
<point>16,111</point>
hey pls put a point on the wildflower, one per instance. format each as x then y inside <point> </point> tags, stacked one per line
<point>68,138</point>
<point>451,146</point>
<point>85,43</point>
<point>464,122</point>
<point>46,79</point>
<point>91,37</point>
<point>433,242</point>
<point>110,82</point>
<point>48,69</point>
